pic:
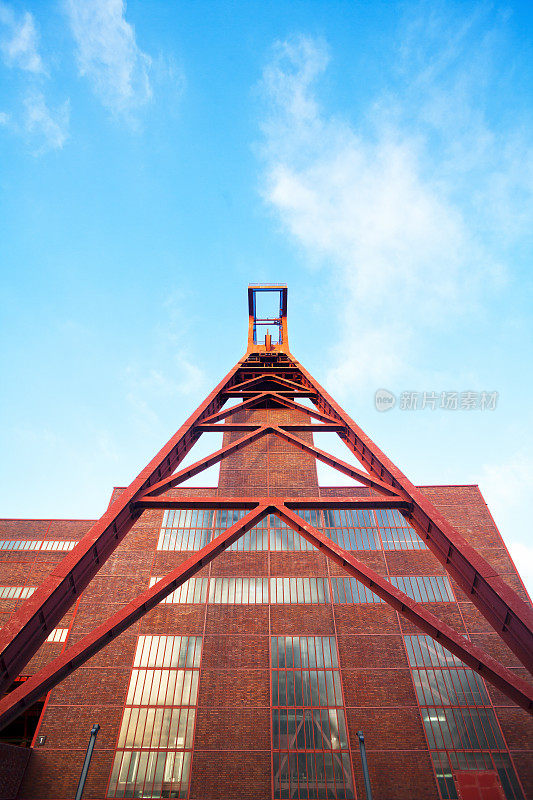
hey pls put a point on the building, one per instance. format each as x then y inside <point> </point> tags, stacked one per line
<point>248,674</point>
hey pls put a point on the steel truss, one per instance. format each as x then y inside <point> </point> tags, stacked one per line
<point>267,376</point>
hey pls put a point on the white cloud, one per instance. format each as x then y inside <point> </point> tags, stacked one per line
<point>506,486</point>
<point>108,54</point>
<point>43,127</point>
<point>20,43</point>
<point>377,206</point>
<point>47,128</point>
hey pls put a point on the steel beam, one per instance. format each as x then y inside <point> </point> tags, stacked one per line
<point>53,673</point>
<point>333,461</point>
<point>510,684</point>
<point>508,614</point>
<point>184,502</point>
<point>208,461</point>
<point>31,623</point>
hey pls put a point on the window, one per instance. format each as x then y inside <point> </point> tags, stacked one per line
<point>58,635</point>
<point>33,544</point>
<point>423,588</point>
<point>185,530</point>
<point>299,590</point>
<point>311,756</point>
<point>460,723</point>
<point>352,529</point>
<point>192,591</point>
<point>238,590</point>
<point>395,531</point>
<point>359,529</point>
<point>154,748</point>
<point>16,592</point>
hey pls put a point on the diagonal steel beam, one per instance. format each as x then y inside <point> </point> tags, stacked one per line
<point>511,685</point>
<point>208,461</point>
<point>246,404</point>
<point>335,462</point>
<point>53,673</point>
<point>29,626</point>
<point>507,613</point>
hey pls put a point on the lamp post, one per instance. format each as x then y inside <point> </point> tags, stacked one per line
<point>366,776</point>
<point>88,755</point>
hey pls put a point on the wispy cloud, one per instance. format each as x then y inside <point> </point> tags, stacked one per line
<point>43,127</point>
<point>46,127</point>
<point>20,41</point>
<point>402,210</point>
<point>155,390</point>
<point>108,54</point>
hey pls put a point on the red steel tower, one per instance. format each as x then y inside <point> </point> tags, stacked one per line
<point>232,641</point>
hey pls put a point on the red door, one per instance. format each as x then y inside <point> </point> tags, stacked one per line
<point>479,785</point>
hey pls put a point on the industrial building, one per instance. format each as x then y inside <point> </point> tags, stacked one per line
<point>233,641</point>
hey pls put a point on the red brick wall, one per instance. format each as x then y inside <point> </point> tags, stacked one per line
<point>232,744</point>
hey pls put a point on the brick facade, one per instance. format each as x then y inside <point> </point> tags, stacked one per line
<point>232,746</point>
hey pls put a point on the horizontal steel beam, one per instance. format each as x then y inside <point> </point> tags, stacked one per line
<point>319,427</point>
<point>369,501</point>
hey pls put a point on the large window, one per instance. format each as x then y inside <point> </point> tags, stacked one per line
<point>37,544</point>
<point>239,590</point>
<point>154,749</point>
<point>311,756</point>
<point>360,529</point>
<point>460,723</point>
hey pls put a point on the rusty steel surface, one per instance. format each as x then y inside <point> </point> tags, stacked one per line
<point>258,370</point>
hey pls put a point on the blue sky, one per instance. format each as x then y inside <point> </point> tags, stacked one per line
<point>156,157</point>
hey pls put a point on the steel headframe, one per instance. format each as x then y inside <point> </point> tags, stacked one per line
<point>267,376</point>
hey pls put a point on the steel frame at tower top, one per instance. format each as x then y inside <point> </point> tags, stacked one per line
<point>267,376</point>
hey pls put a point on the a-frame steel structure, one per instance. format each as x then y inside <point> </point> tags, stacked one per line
<point>267,376</point>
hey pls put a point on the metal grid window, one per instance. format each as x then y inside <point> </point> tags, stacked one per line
<point>423,588</point>
<point>311,756</point>
<point>16,592</point>
<point>34,544</point>
<point>186,529</point>
<point>299,590</point>
<point>254,539</point>
<point>395,531</point>
<point>192,591</point>
<point>352,529</point>
<point>358,529</point>
<point>154,748</point>
<point>235,591</point>
<point>58,635</point>
<point>460,723</point>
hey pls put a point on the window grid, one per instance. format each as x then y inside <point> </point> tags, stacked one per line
<point>311,755</point>
<point>154,748</point>
<point>237,590</point>
<point>351,529</point>
<point>58,635</point>
<point>192,591</point>
<point>34,544</point>
<point>16,592</point>
<point>458,717</point>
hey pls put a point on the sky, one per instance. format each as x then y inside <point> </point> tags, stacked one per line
<point>157,157</point>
